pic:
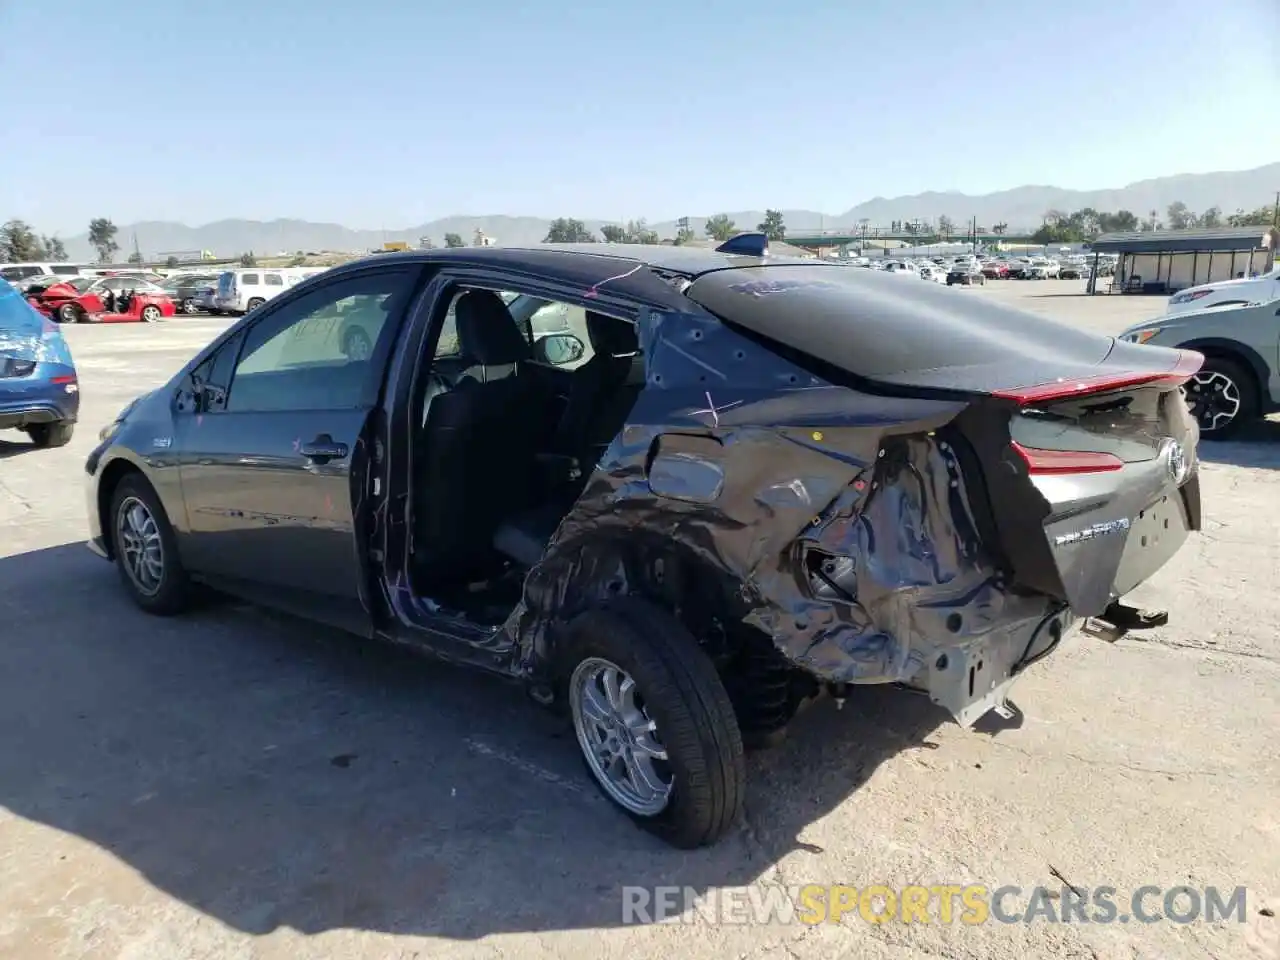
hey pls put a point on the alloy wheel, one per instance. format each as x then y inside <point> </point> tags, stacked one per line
<point>618,738</point>
<point>141,548</point>
<point>1214,399</point>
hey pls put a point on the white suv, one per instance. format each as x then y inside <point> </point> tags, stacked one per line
<point>1228,293</point>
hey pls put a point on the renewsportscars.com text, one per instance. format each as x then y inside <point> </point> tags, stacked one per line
<point>968,904</point>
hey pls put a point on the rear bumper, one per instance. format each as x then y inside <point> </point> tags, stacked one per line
<point>37,403</point>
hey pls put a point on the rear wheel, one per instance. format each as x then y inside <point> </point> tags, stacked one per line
<point>189,306</point>
<point>654,723</point>
<point>69,313</point>
<point>1223,397</point>
<point>51,434</point>
<point>146,550</point>
<point>255,303</point>
<point>150,313</point>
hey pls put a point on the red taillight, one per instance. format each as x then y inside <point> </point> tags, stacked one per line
<point>61,380</point>
<point>1042,462</point>
<point>1188,363</point>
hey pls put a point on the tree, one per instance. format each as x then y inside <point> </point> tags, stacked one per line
<point>299,260</point>
<point>683,236</point>
<point>1211,218</point>
<point>772,225</point>
<point>568,230</point>
<point>452,240</point>
<point>638,232</point>
<point>54,249</point>
<point>1000,229</point>
<point>19,243</point>
<point>1180,217</point>
<point>102,235</point>
<point>720,227</point>
<point>613,233</point>
<point>135,257</point>
<point>1122,221</point>
<point>946,227</point>
<point>248,259</point>
<point>1262,217</point>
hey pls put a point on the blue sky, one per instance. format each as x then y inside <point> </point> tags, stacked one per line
<point>394,113</point>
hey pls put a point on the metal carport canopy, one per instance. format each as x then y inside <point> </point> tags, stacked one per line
<point>1224,239</point>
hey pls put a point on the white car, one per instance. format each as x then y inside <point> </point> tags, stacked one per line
<point>901,267</point>
<point>1042,269</point>
<point>934,273</point>
<point>1228,293</point>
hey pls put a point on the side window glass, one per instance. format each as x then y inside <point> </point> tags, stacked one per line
<point>273,280</point>
<point>315,351</point>
<point>249,279</point>
<point>447,345</point>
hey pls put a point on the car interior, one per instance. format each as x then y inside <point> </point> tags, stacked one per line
<point>509,434</point>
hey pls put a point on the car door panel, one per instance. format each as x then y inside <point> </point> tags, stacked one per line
<point>269,459</point>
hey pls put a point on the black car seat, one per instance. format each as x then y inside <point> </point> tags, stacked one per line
<point>474,462</point>
<point>602,391</point>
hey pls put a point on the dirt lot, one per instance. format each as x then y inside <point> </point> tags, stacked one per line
<point>238,785</point>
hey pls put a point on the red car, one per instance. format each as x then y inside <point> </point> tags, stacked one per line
<point>114,299</point>
<point>995,271</point>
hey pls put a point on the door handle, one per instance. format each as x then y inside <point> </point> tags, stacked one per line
<point>323,449</point>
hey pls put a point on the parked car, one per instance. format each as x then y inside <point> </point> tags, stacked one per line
<point>965,274</point>
<point>1228,293</point>
<point>1041,269</point>
<point>245,289</point>
<point>1240,379</point>
<point>768,478</point>
<point>1072,270</point>
<point>183,290</point>
<point>13,272</point>
<point>995,270</point>
<point>933,273</point>
<point>113,299</point>
<point>39,387</point>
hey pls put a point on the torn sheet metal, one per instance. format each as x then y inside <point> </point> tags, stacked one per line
<point>835,522</point>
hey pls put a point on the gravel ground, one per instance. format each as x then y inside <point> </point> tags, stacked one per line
<point>233,784</point>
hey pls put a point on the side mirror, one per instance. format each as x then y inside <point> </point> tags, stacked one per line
<point>559,348</point>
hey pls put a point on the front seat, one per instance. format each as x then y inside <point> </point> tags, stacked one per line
<point>474,462</point>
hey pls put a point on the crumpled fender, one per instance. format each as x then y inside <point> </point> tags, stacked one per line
<point>752,469</point>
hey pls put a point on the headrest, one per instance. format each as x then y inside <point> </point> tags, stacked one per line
<point>611,336</point>
<point>487,333</point>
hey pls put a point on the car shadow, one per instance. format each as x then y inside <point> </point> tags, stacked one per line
<point>271,773</point>
<point>11,448</point>
<point>1257,445</point>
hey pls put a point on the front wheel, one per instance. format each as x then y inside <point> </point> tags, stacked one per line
<point>69,313</point>
<point>146,550</point>
<point>654,723</point>
<point>1223,397</point>
<point>51,434</point>
<point>150,313</point>
<point>189,307</point>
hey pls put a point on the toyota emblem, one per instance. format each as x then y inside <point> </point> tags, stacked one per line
<point>1175,458</point>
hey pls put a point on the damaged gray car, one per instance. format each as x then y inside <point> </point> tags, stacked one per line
<point>678,493</point>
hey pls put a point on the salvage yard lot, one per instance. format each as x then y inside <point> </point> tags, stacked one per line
<point>237,784</point>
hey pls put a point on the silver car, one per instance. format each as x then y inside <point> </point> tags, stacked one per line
<point>1240,379</point>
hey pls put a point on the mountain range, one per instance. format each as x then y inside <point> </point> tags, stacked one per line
<point>1021,208</point>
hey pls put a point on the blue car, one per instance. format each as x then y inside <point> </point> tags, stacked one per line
<point>39,389</point>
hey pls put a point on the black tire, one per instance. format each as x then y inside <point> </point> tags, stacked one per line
<point>51,434</point>
<point>686,699</point>
<point>189,307</point>
<point>1211,375</point>
<point>70,313</point>
<point>174,592</point>
<point>150,313</point>
<point>255,303</point>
